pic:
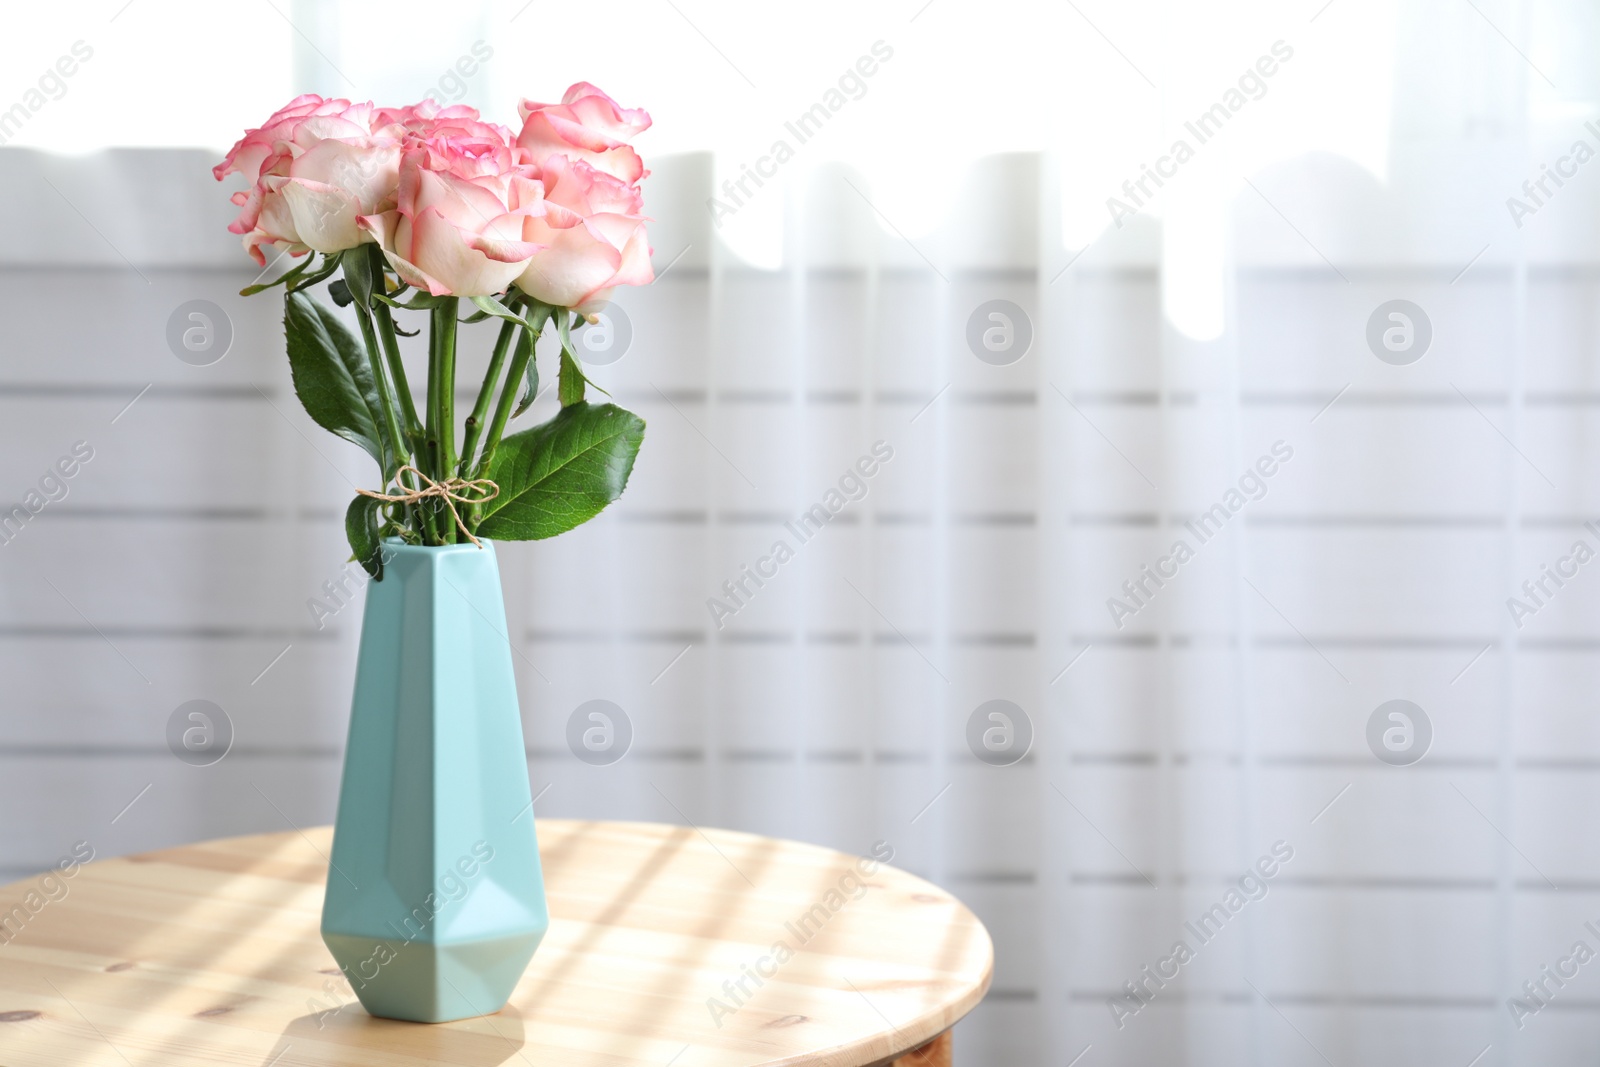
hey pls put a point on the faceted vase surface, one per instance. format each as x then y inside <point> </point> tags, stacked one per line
<point>435,900</point>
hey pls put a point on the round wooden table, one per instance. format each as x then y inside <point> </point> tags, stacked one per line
<point>662,950</point>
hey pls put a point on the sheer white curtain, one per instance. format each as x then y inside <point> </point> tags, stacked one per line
<point>1003,520</point>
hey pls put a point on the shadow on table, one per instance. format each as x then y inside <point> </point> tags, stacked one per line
<point>486,1041</point>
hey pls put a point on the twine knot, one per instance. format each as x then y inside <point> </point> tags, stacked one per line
<point>452,491</point>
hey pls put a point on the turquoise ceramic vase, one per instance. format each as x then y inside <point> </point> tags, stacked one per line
<point>435,901</point>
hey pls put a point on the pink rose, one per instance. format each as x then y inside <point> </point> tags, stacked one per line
<point>593,237</point>
<point>314,168</point>
<point>459,205</point>
<point>426,120</point>
<point>457,228</point>
<point>586,125</point>
<point>259,150</point>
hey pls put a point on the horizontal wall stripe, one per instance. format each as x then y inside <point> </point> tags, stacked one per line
<point>172,393</point>
<point>167,633</point>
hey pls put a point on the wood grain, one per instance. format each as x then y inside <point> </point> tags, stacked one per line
<point>209,954</point>
<point>936,1053</point>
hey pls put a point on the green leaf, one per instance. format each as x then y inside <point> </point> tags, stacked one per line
<point>538,312</point>
<point>524,350</point>
<point>340,292</point>
<point>561,473</point>
<point>361,527</point>
<point>358,280</point>
<point>569,386</point>
<point>283,279</point>
<point>572,382</point>
<point>330,263</point>
<point>331,374</point>
<point>488,305</point>
<point>419,301</point>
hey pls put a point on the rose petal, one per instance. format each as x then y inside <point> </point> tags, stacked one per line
<point>324,215</point>
<point>574,266</point>
<point>441,250</point>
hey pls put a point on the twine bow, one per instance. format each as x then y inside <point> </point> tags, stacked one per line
<point>452,491</point>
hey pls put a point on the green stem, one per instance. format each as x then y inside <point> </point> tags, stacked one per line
<point>444,325</point>
<point>491,378</point>
<point>508,400</point>
<point>419,518</point>
<point>442,402</point>
<point>399,454</point>
<point>408,410</point>
<point>430,433</point>
<point>391,351</point>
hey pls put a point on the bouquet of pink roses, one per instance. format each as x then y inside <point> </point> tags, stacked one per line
<point>421,208</point>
